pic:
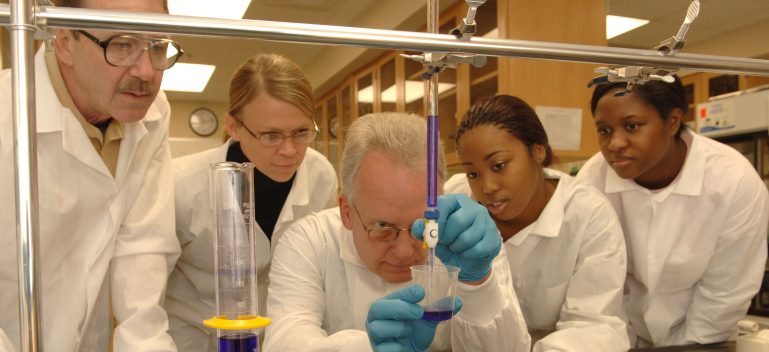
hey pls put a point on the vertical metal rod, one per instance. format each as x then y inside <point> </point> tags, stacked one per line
<point>25,151</point>
<point>432,114</point>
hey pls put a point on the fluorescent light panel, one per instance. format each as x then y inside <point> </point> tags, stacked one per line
<point>414,91</point>
<point>232,9</point>
<point>616,25</point>
<point>187,77</point>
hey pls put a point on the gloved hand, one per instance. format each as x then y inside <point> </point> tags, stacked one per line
<point>468,237</point>
<point>394,322</point>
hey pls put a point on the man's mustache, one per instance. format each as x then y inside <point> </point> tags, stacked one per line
<point>136,86</point>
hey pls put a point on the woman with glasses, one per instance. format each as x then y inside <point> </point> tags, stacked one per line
<point>270,123</point>
<point>563,241</point>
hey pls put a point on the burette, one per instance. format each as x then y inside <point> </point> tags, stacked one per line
<point>431,77</point>
<point>435,62</point>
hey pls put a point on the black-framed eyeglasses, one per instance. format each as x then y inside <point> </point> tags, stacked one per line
<point>383,233</point>
<point>272,139</point>
<point>124,50</point>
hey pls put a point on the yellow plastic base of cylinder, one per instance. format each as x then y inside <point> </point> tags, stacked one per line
<point>244,322</point>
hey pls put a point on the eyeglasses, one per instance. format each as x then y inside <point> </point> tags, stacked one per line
<point>383,233</point>
<point>272,139</point>
<point>124,50</point>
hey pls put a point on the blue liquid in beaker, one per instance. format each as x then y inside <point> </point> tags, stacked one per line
<point>437,315</point>
<point>238,343</point>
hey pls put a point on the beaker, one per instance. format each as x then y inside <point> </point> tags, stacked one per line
<point>440,286</point>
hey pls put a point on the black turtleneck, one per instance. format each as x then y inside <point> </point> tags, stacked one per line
<point>269,196</point>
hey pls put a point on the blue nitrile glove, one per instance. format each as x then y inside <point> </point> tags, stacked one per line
<point>394,322</point>
<point>468,237</point>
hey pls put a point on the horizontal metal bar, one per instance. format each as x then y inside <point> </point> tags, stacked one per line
<point>59,17</point>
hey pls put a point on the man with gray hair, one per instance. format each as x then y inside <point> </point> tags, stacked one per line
<point>340,277</point>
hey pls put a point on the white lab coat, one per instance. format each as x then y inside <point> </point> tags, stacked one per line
<point>191,287</point>
<point>568,269</point>
<point>696,249</point>
<point>320,293</point>
<point>98,234</point>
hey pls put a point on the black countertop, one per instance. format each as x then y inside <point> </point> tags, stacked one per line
<point>729,346</point>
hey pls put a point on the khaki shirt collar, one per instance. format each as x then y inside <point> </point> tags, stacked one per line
<point>110,138</point>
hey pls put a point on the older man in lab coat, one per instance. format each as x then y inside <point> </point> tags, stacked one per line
<point>340,278</point>
<point>105,191</point>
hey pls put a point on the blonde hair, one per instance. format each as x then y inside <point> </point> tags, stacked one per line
<point>400,136</point>
<point>271,74</point>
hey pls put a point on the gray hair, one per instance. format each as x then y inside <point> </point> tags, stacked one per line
<point>401,136</point>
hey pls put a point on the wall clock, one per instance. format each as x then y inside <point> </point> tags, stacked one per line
<point>203,122</point>
<point>333,127</point>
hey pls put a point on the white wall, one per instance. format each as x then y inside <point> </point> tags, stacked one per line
<point>181,138</point>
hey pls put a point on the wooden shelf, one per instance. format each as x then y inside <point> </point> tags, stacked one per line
<point>484,78</point>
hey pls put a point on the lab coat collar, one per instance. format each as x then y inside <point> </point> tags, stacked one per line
<point>301,187</point>
<point>688,182</point>
<point>548,224</point>
<point>347,250</point>
<point>134,133</point>
<point>692,175</point>
<point>49,114</point>
<point>53,117</point>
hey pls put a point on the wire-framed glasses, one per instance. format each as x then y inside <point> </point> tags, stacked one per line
<point>272,139</point>
<point>124,50</point>
<point>381,233</point>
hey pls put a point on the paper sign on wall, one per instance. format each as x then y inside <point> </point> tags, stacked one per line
<point>563,126</point>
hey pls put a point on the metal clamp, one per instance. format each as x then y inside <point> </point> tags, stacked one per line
<point>437,62</point>
<point>671,45</point>
<point>466,29</point>
<point>641,74</point>
<point>632,75</point>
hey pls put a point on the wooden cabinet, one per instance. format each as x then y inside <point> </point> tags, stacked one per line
<point>552,83</point>
<point>363,94</point>
<point>332,126</point>
<point>392,83</point>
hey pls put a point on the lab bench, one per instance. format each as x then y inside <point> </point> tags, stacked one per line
<point>728,346</point>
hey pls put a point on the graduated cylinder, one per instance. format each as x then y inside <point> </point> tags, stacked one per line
<point>237,319</point>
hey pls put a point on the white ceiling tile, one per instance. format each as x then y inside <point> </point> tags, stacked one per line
<point>716,18</point>
<point>644,37</point>
<point>647,9</point>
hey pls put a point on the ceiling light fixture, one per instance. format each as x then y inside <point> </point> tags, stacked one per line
<point>232,9</point>
<point>616,25</point>
<point>187,77</point>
